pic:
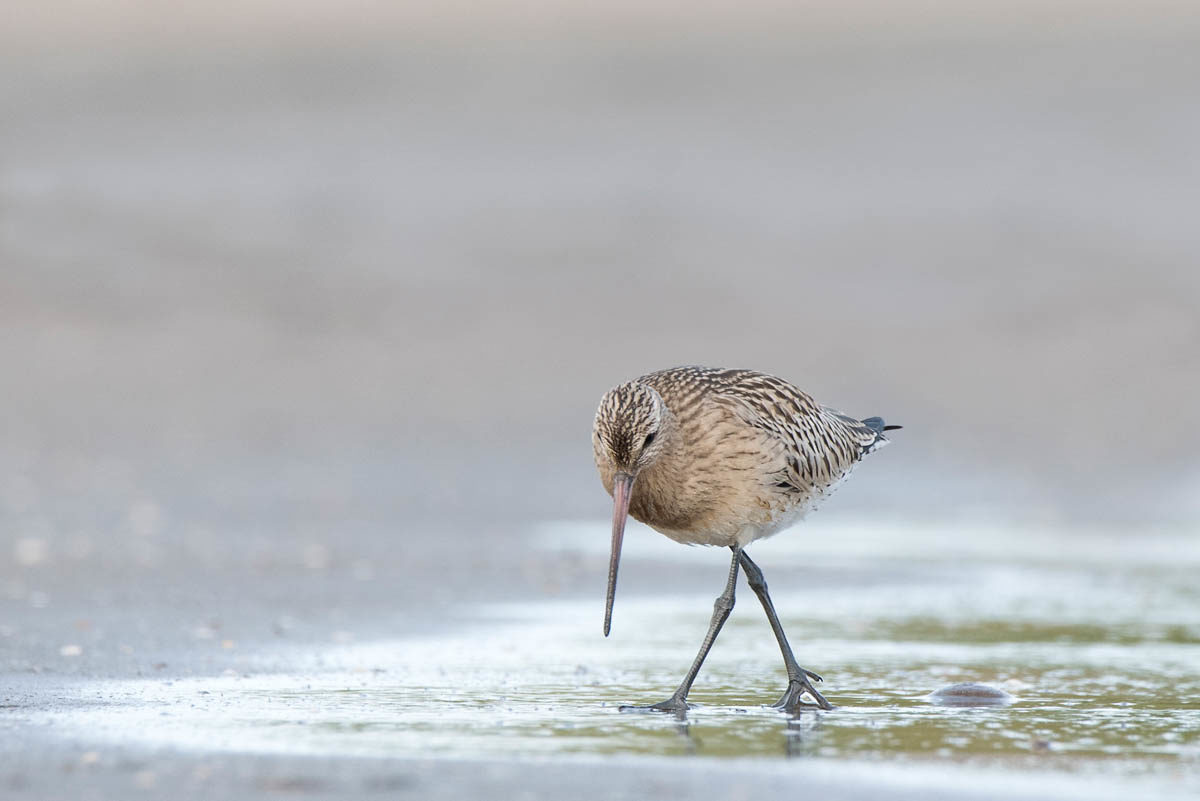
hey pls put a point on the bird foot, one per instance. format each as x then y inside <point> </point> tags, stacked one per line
<point>797,687</point>
<point>675,705</point>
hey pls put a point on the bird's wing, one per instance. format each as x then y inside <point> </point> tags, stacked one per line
<point>815,446</point>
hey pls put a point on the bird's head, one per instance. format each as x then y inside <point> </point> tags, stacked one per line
<point>625,435</point>
<point>629,434</point>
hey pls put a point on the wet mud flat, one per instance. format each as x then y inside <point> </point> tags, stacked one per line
<point>1098,649</point>
<point>264,536</point>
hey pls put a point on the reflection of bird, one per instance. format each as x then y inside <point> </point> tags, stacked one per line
<point>723,457</point>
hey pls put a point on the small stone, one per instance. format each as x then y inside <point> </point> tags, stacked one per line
<point>970,694</point>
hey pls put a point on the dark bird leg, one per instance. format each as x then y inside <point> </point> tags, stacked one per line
<point>677,703</point>
<point>798,677</point>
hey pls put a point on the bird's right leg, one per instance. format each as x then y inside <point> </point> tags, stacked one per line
<point>677,703</point>
<point>798,677</point>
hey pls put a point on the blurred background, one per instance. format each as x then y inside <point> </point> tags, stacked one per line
<point>330,291</point>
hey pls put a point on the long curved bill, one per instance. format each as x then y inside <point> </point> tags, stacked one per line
<point>622,488</point>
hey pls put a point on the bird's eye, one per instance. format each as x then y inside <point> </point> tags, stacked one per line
<point>649,439</point>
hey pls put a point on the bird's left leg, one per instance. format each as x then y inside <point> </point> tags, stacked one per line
<point>798,677</point>
<point>677,703</point>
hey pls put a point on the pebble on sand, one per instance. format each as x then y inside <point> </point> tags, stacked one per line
<point>970,694</point>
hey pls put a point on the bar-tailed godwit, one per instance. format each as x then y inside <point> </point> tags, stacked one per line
<point>723,457</point>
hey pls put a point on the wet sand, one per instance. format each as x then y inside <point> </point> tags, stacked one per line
<point>1097,655</point>
<point>300,341</point>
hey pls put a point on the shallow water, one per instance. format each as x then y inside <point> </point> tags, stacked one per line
<point>1097,637</point>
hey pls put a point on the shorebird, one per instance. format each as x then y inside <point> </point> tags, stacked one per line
<point>709,456</point>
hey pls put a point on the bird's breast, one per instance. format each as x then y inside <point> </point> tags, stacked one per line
<point>705,511</point>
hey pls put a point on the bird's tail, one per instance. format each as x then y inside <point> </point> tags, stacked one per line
<point>876,425</point>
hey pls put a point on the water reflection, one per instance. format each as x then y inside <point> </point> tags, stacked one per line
<point>793,732</point>
<point>796,732</point>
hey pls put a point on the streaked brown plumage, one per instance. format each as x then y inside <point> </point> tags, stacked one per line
<point>723,457</point>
